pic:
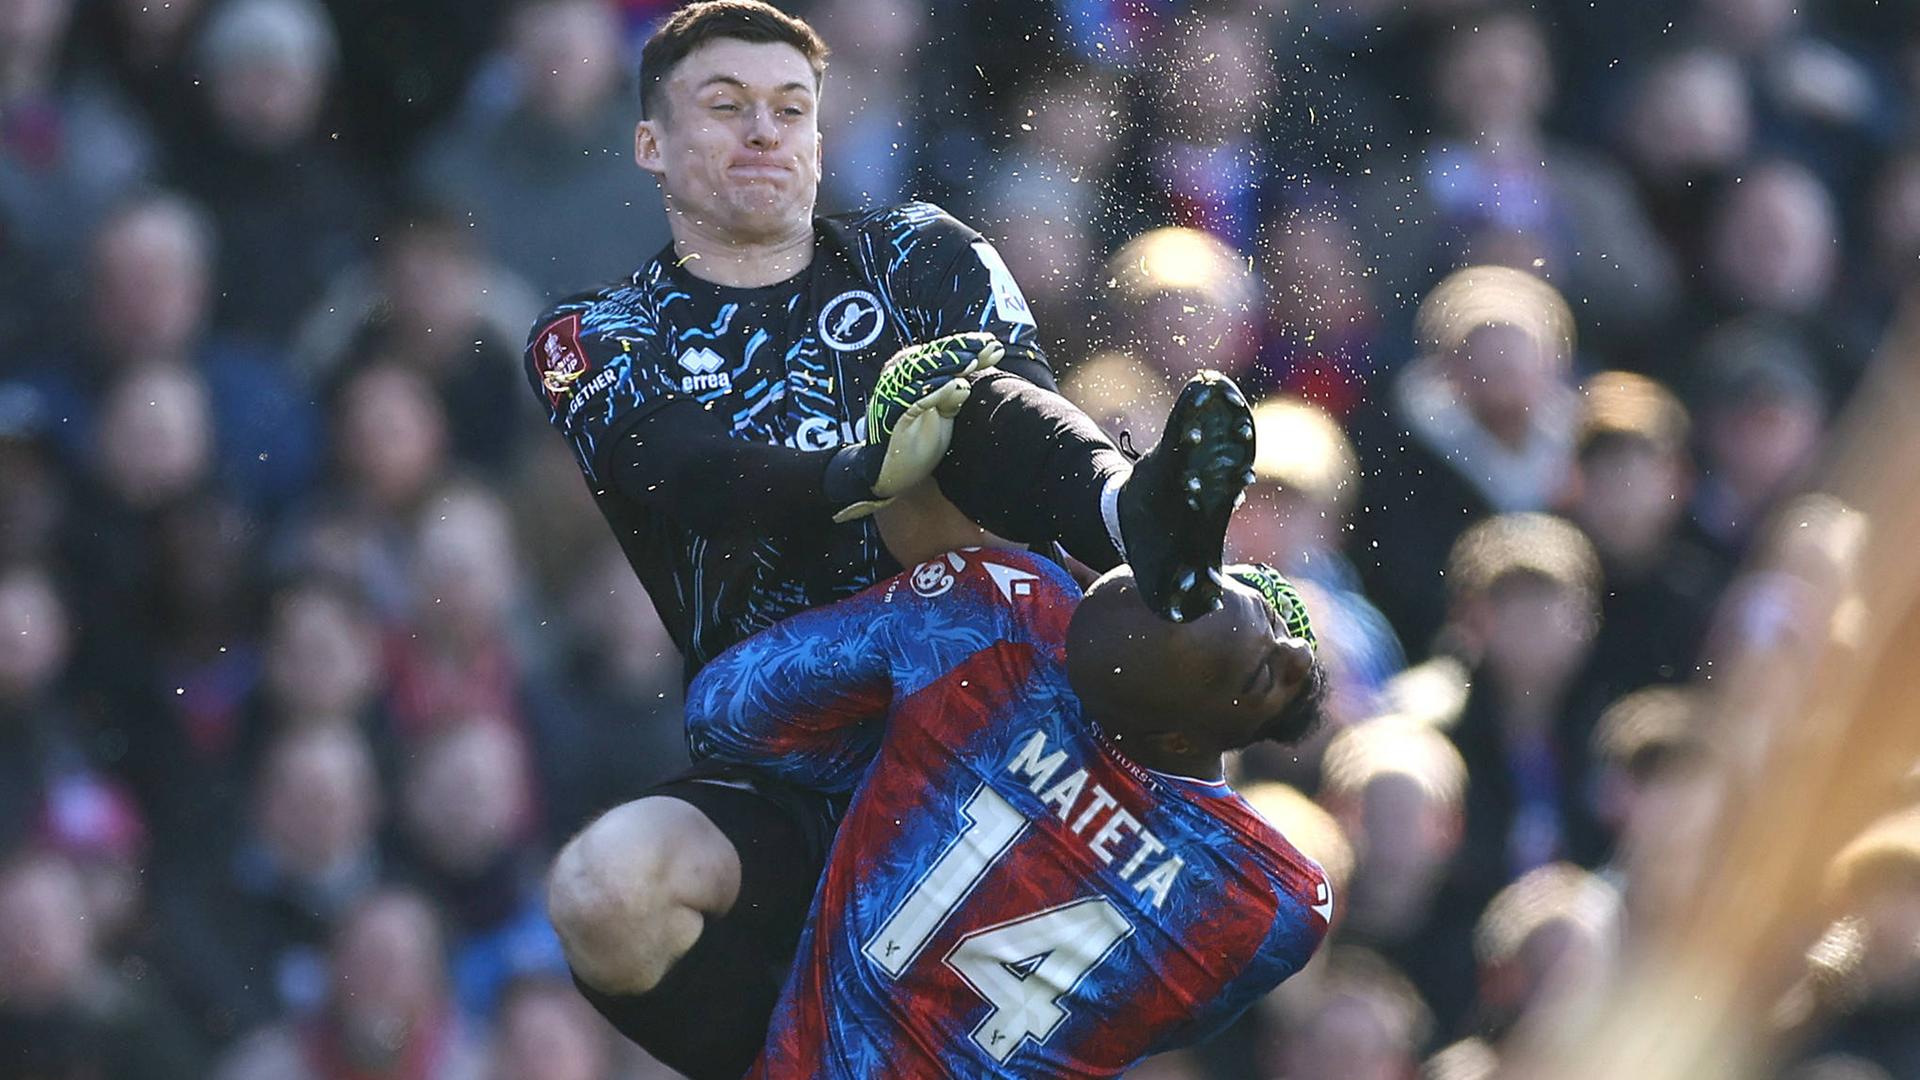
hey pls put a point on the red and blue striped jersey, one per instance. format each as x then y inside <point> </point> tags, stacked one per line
<point>1008,894</point>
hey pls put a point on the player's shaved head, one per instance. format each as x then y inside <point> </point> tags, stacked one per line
<point>1117,650</point>
<point>1227,679</point>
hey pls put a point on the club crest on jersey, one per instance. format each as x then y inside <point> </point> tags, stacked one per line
<point>559,359</point>
<point>851,321</point>
<point>932,579</point>
<point>704,366</point>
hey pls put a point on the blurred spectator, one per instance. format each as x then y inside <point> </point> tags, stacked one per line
<point>1873,988</point>
<point>147,51</point>
<point>431,301</point>
<point>1686,128</point>
<point>1482,423</point>
<point>152,281</point>
<point>457,658</point>
<point>389,449</point>
<point>63,1012</point>
<point>547,1031</point>
<point>292,207</point>
<point>1774,242</point>
<point>67,152</point>
<point>1127,397</point>
<point>386,1015</point>
<point>322,658</point>
<point>188,659</point>
<point>1652,792</point>
<point>36,496</point>
<point>1398,789</point>
<point>410,65</point>
<point>1815,98</point>
<point>549,178</point>
<point>869,112</point>
<point>246,929</point>
<point>1210,157</point>
<point>1631,482</point>
<point>40,737</point>
<point>464,811</point>
<point>625,675</point>
<point>1493,185</point>
<point>1880,277</point>
<point>1549,936</point>
<point>317,666</point>
<point>1180,299</point>
<point>1763,421</point>
<point>1045,204</point>
<point>1306,481</point>
<point>1525,593</point>
<point>1361,1020</point>
<point>1322,320</point>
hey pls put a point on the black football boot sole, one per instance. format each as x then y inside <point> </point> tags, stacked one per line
<point>1175,507</point>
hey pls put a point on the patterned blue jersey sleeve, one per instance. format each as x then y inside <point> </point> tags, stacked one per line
<point>591,361</point>
<point>958,283</point>
<point>806,699</point>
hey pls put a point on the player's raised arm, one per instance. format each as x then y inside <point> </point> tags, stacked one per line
<point>804,699</point>
<point>807,698</point>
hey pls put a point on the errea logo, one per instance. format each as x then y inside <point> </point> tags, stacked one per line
<point>705,365</point>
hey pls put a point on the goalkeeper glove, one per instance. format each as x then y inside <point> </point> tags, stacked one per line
<point>910,414</point>
<point>1281,595</point>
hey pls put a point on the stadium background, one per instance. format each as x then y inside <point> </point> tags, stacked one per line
<point>312,647</point>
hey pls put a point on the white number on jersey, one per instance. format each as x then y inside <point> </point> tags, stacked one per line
<point>1022,967</point>
<point>992,826</point>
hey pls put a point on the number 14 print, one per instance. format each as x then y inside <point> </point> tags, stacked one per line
<point>1022,967</point>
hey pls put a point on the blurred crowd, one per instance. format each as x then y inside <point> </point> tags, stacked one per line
<point>313,646</point>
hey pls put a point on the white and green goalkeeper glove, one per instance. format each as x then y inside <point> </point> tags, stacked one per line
<point>910,414</point>
<point>1277,591</point>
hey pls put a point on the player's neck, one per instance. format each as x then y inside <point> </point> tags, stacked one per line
<point>1207,768</point>
<point>1144,752</point>
<point>740,263</point>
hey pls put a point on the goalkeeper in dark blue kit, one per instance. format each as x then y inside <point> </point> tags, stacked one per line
<point>738,406</point>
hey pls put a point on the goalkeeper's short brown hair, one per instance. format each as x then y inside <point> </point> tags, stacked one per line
<point>698,23</point>
<point>1542,546</point>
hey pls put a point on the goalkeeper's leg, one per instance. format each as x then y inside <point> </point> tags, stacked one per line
<point>1028,465</point>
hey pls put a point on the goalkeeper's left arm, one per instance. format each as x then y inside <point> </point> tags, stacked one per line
<point>910,415</point>
<point>681,460</point>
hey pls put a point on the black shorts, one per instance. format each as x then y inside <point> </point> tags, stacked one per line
<point>782,833</point>
<point>708,1016</point>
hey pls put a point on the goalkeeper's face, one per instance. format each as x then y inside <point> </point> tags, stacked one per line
<point>736,143</point>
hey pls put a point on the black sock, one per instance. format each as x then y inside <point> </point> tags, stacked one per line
<point>1028,465</point>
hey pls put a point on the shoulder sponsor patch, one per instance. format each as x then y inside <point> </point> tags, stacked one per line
<point>559,358</point>
<point>1008,302</point>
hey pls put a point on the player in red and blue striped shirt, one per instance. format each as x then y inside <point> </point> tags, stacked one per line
<point>1042,871</point>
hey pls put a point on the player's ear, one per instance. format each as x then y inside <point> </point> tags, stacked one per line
<point>646,147</point>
